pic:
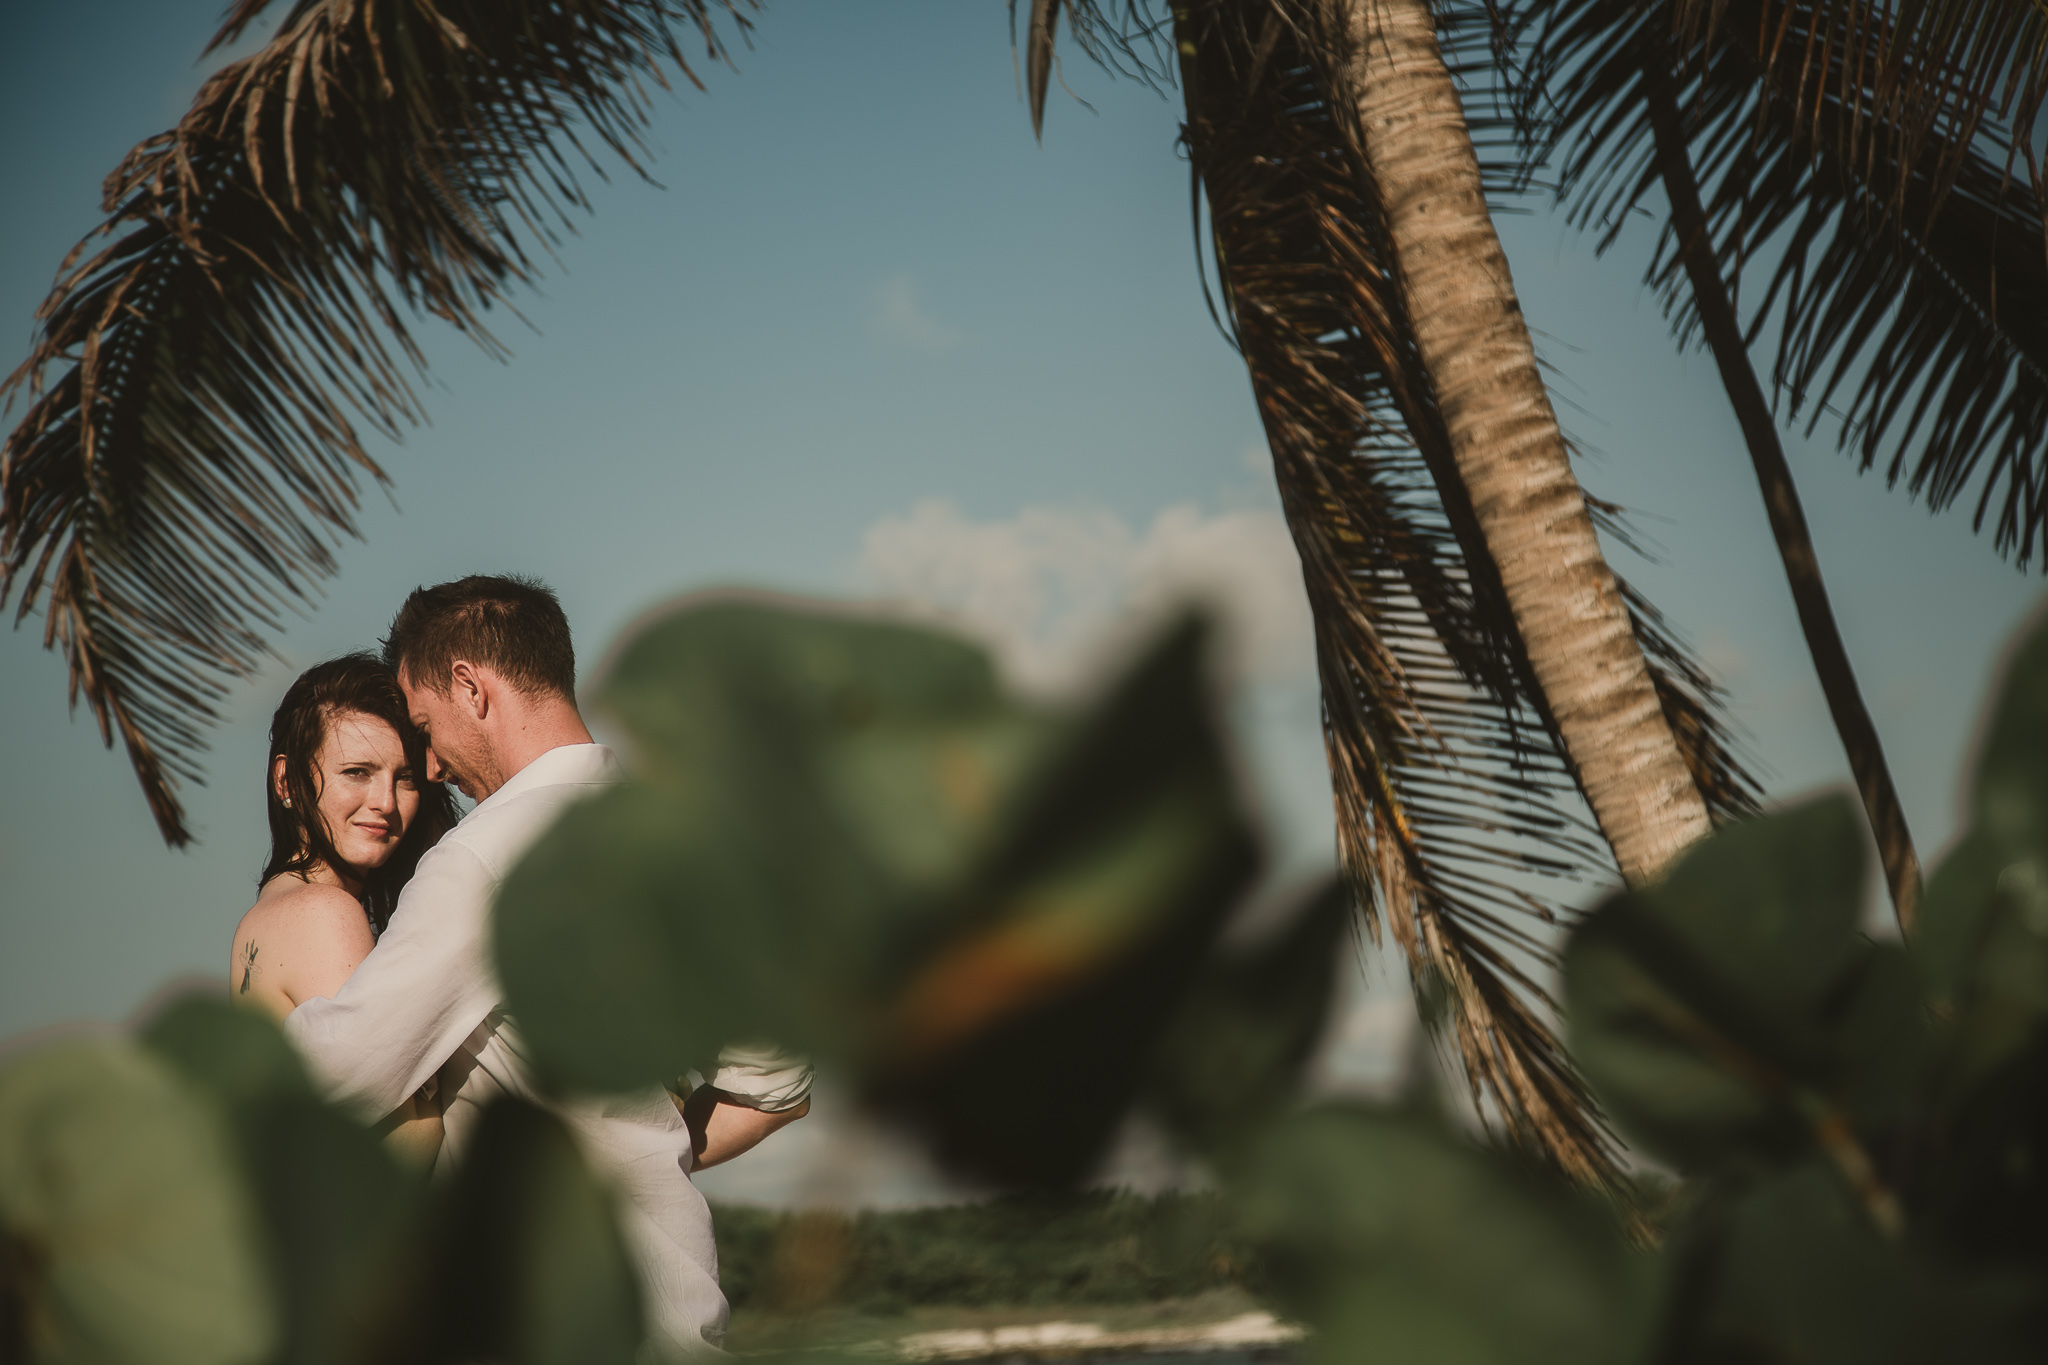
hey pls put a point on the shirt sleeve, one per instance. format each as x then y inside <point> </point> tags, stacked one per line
<point>414,998</point>
<point>763,1078</point>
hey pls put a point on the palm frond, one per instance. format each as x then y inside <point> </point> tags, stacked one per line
<point>190,451</point>
<point>1129,38</point>
<point>1884,84</point>
<point>1907,264</point>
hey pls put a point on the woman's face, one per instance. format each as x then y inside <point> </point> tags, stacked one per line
<point>368,797</point>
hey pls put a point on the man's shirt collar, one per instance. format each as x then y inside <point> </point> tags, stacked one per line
<point>570,764</point>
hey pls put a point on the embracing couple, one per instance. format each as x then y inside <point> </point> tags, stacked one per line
<point>370,938</point>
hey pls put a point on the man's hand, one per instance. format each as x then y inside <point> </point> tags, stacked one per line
<point>721,1129</point>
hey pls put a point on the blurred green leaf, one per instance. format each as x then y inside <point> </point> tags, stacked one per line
<point>1019,1036</point>
<point>1982,1157</point>
<point>842,837</point>
<point>525,1262</point>
<point>1984,929</point>
<point>1231,1058</point>
<point>1955,915</point>
<point>2010,787</point>
<point>1734,1008</point>
<point>1796,1272</point>
<point>1396,1242</point>
<point>811,712</point>
<point>640,932</point>
<point>338,1214</point>
<point>1996,978</point>
<point>806,782</point>
<point>127,1229</point>
<point>237,1055</point>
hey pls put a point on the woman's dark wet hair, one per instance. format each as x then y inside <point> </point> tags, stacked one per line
<point>298,835</point>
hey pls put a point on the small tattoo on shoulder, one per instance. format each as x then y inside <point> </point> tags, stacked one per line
<point>248,964</point>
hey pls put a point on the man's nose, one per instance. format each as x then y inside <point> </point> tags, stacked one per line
<point>435,772</point>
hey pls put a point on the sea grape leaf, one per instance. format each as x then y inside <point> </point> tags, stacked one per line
<point>844,838</point>
<point>524,1260</point>
<point>639,933</point>
<point>1983,1159</point>
<point>1994,990</point>
<point>1794,1269</point>
<point>1983,934</point>
<point>1232,1055</point>
<point>1982,943</point>
<point>1733,1006</point>
<point>1772,902</point>
<point>898,731</point>
<point>237,1055</point>
<point>339,1216</point>
<point>805,780</point>
<point>1394,1241</point>
<point>2009,789</point>
<point>127,1229</point>
<point>1019,1033</point>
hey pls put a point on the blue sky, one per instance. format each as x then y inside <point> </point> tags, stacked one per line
<point>869,308</point>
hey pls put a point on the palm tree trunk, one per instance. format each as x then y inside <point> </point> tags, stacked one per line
<point>1781,501</point>
<point>1506,445</point>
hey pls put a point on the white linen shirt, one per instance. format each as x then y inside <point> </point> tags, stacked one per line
<point>426,1004</point>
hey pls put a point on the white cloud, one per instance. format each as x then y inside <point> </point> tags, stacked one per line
<point>899,317</point>
<point>1051,587</point>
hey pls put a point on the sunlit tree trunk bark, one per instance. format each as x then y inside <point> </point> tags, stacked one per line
<point>1723,331</point>
<point>1505,439</point>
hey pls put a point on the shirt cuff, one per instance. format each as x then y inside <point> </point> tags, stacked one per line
<point>762,1078</point>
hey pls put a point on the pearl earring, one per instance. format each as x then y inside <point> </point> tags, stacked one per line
<point>287,803</point>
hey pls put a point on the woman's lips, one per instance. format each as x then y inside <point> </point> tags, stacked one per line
<point>376,831</point>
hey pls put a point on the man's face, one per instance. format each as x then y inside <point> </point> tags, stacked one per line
<point>457,749</point>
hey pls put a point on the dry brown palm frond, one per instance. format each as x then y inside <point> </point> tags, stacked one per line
<point>1906,264</point>
<point>1885,84</point>
<point>1458,821</point>
<point>190,450</point>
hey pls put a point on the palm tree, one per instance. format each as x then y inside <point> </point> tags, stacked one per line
<point>189,453</point>
<point>1480,663</point>
<point>1316,129</point>
<point>1875,155</point>
<point>1387,81</point>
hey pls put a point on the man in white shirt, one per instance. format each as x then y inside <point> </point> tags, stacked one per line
<point>489,674</point>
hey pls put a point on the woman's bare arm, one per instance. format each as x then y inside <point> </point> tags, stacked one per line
<point>301,943</point>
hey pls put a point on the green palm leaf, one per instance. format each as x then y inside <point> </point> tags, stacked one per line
<point>190,452</point>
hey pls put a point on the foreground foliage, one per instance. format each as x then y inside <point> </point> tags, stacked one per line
<point>182,1196</point>
<point>1002,925</point>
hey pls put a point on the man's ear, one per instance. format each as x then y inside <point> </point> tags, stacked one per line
<point>471,687</point>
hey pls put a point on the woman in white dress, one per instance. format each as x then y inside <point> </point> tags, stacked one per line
<point>350,814</point>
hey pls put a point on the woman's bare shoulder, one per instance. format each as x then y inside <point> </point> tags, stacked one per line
<point>299,940</point>
<point>301,910</point>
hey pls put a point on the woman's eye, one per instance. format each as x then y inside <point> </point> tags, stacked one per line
<point>405,777</point>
